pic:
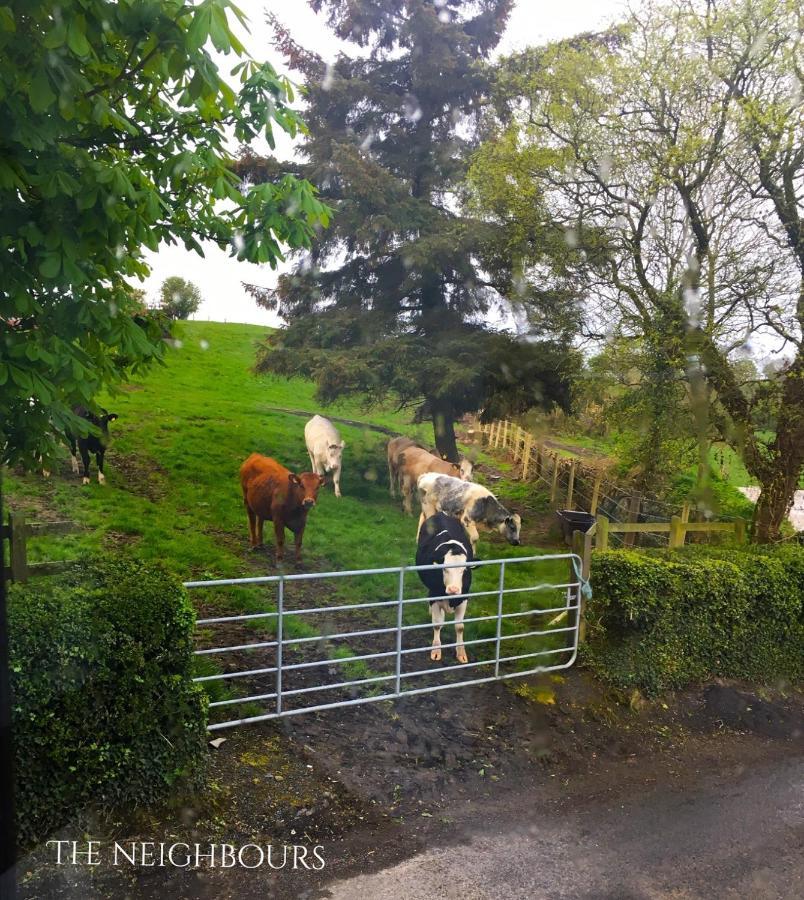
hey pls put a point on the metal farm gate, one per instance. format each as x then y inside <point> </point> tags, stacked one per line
<point>527,625</point>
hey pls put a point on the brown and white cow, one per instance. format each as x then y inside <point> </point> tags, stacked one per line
<point>415,462</point>
<point>270,491</point>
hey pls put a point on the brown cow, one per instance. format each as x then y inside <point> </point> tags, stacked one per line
<point>415,462</point>
<point>395,447</point>
<point>270,491</point>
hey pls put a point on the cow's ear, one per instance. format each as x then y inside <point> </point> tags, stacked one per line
<point>294,479</point>
<point>322,479</point>
<point>343,444</point>
<point>111,417</point>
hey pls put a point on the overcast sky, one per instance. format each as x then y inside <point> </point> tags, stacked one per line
<point>219,276</point>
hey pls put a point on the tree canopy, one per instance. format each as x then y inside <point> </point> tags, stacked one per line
<point>178,298</point>
<point>407,295</point>
<point>114,131</point>
<point>671,152</point>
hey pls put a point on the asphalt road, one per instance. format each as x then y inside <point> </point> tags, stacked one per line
<point>741,837</point>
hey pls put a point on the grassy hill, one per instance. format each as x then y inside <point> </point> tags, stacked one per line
<point>173,491</point>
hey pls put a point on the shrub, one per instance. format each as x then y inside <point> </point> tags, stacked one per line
<point>104,708</point>
<point>661,620</point>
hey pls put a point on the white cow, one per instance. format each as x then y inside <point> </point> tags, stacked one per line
<point>325,447</point>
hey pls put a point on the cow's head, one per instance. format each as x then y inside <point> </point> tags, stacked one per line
<point>104,419</point>
<point>453,578</point>
<point>306,487</point>
<point>333,454</point>
<point>509,528</point>
<point>465,469</point>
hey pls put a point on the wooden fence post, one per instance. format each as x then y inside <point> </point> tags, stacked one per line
<point>554,486</point>
<point>739,530</point>
<point>571,483</point>
<point>526,455</point>
<point>595,493</point>
<point>633,516</point>
<point>677,532</point>
<point>18,550</point>
<point>685,511</point>
<point>602,533</point>
<point>539,460</point>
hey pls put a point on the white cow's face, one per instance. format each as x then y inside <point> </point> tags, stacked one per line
<point>466,470</point>
<point>453,578</point>
<point>333,454</point>
<point>509,528</point>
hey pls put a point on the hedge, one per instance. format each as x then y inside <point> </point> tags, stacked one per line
<point>104,708</point>
<point>660,620</point>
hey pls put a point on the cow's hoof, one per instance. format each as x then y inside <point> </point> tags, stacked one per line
<point>462,657</point>
<point>45,473</point>
<point>435,655</point>
<point>101,478</point>
<point>85,480</point>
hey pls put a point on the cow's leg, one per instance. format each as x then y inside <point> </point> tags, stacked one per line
<point>298,543</point>
<point>472,532</point>
<point>437,613</point>
<point>279,535</point>
<point>252,526</point>
<point>407,494</point>
<point>84,450</point>
<point>259,532</point>
<point>73,454</point>
<point>99,456</point>
<point>391,478</point>
<point>460,650</point>
<point>313,466</point>
<point>419,529</point>
<point>336,479</point>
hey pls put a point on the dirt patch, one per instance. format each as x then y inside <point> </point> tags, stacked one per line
<point>725,705</point>
<point>139,475</point>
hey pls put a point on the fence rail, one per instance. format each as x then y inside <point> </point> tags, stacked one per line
<point>17,532</point>
<point>573,485</point>
<point>281,658</point>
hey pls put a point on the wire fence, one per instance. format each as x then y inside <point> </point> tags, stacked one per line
<point>576,485</point>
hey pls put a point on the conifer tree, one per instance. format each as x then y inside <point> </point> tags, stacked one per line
<point>403,295</point>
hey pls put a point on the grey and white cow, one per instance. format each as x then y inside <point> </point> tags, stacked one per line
<point>473,504</point>
<point>325,447</point>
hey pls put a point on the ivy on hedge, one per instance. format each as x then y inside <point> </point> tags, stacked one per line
<point>104,707</point>
<point>663,619</point>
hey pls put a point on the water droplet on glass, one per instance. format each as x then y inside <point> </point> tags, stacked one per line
<point>327,80</point>
<point>413,112</point>
<point>368,140</point>
<point>237,240</point>
<point>571,237</point>
<point>204,344</point>
<point>444,16</point>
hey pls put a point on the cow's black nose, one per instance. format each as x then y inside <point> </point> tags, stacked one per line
<point>516,543</point>
<point>308,504</point>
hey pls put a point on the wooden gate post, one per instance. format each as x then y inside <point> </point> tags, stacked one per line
<point>633,516</point>
<point>739,530</point>
<point>554,486</point>
<point>18,551</point>
<point>677,532</point>
<point>596,493</point>
<point>526,455</point>
<point>602,533</point>
<point>571,483</point>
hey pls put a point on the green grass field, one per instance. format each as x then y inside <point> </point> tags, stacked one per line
<point>173,492</point>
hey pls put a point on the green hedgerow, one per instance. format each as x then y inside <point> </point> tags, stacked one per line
<point>104,708</point>
<point>660,620</point>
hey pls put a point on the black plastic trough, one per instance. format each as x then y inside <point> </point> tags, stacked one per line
<point>572,520</point>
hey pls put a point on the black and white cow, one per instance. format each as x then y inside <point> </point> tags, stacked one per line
<point>473,504</point>
<point>442,539</point>
<point>92,443</point>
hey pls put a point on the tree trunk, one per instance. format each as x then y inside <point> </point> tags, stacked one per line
<point>444,431</point>
<point>773,504</point>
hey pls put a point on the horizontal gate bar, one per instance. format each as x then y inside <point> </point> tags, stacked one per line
<point>392,570</point>
<point>439,687</point>
<point>381,603</point>
<point>390,630</point>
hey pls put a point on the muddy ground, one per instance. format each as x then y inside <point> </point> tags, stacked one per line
<point>379,783</point>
